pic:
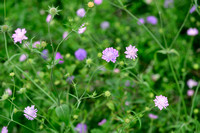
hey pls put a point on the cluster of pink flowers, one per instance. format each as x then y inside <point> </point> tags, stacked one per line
<point>161,102</point>
<point>30,112</point>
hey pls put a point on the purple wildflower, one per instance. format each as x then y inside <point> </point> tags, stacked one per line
<point>59,56</point>
<point>192,83</point>
<point>190,92</point>
<point>4,130</point>
<point>45,54</point>
<point>192,9</point>
<point>152,20</point>
<point>70,79</point>
<point>36,44</point>
<point>30,112</point>
<point>104,25</point>
<point>82,29</point>
<point>23,57</point>
<point>192,32</point>
<point>80,54</point>
<point>102,122</point>
<point>110,54</point>
<point>81,128</point>
<point>9,91</point>
<point>65,34</point>
<point>116,70</point>
<point>98,2</point>
<point>81,12</point>
<point>19,35</point>
<point>141,21</point>
<point>127,103</point>
<point>161,102</point>
<point>48,19</point>
<point>131,52</point>
<point>152,116</point>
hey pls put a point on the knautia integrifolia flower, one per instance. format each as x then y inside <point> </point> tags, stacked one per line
<point>191,83</point>
<point>152,20</point>
<point>104,25</point>
<point>70,79</point>
<point>102,122</point>
<point>65,34</point>
<point>98,2</point>
<point>45,54</point>
<point>80,54</point>
<point>4,130</point>
<point>9,91</point>
<point>192,32</point>
<point>152,116</point>
<point>82,29</point>
<point>48,19</point>
<point>36,44</point>
<point>59,56</point>
<point>140,21</point>
<point>110,54</point>
<point>161,102</point>
<point>81,128</point>
<point>30,112</point>
<point>19,35</point>
<point>23,57</point>
<point>81,12</point>
<point>190,92</point>
<point>131,52</point>
<point>192,9</point>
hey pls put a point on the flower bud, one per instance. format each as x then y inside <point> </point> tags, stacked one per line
<point>196,66</point>
<point>90,4</point>
<point>127,120</point>
<point>99,55</point>
<point>75,116</point>
<point>12,74</point>
<point>89,61</point>
<point>107,93</point>
<point>4,28</point>
<point>196,111</point>
<point>43,44</point>
<point>53,11</point>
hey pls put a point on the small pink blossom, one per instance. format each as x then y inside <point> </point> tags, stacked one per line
<point>81,12</point>
<point>116,70</point>
<point>152,116</point>
<point>131,52</point>
<point>30,112</point>
<point>161,102</point>
<point>98,2</point>
<point>48,19</point>
<point>9,91</point>
<point>110,54</point>
<point>192,83</point>
<point>23,57</point>
<point>102,122</point>
<point>190,92</point>
<point>4,130</point>
<point>36,44</point>
<point>65,34</point>
<point>82,29</point>
<point>19,35</point>
<point>192,32</point>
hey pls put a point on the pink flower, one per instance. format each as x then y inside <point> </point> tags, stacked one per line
<point>152,116</point>
<point>81,12</point>
<point>23,57</point>
<point>104,25</point>
<point>48,19</point>
<point>110,54</point>
<point>140,21</point>
<point>192,9</point>
<point>102,122</point>
<point>116,70</point>
<point>192,32</point>
<point>192,83</point>
<point>98,2</point>
<point>82,29</point>
<point>190,92</point>
<point>161,102</point>
<point>59,56</point>
<point>19,35</point>
<point>30,112</point>
<point>131,52</point>
<point>65,34</point>
<point>4,130</point>
<point>36,44</point>
<point>9,91</point>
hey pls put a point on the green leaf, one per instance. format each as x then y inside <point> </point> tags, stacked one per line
<point>70,69</point>
<point>63,113</point>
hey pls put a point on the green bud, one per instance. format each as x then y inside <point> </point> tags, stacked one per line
<point>53,11</point>
<point>4,28</point>
<point>196,66</point>
<point>99,55</point>
<point>89,61</point>
<point>196,111</point>
<point>107,93</point>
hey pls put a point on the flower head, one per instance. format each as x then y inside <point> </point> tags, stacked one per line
<point>190,92</point>
<point>193,9</point>
<point>30,112</point>
<point>70,79</point>
<point>141,21</point>
<point>152,20</point>
<point>192,32</point>
<point>104,25</point>
<point>36,44</point>
<point>45,54</point>
<point>110,54</point>
<point>81,128</point>
<point>59,56</point>
<point>23,57</point>
<point>102,122</point>
<point>4,130</point>
<point>152,116</point>
<point>9,91</point>
<point>82,29</point>
<point>131,52</point>
<point>192,83</point>
<point>161,102</point>
<point>48,19</point>
<point>98,2</point>
<point>19,35</point>
<point>81,12</point>
<point>80,54</point>
<point>65,34</point>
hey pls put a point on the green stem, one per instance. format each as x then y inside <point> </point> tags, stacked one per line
<point>193,100</point>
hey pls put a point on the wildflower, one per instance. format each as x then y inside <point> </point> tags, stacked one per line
<point>152,116</point>
<point>98,2</point>
<point>192,32</point>
<point>110,54</point>
<point>104,25</point>
<point>90,4</point>
<point>48,19</point>
<point>192,83</point>
<point>131,52</point>
<point>23,57</point>
<point>59,56</point>
<point>45,54</point>
<point>161,102</point>
<point>127,103</point>
<point>4,130</point>
<point>148,1</point>
<point>82,29</point>
<point>81,12</point>
<point>70,79</point>
<point>9,91</point>
<point>30,112</point>
<point>116,70</point>
<point>168,3</point>
<point>19,35</point>
<point>141,21</point>
<point>36,44</point>
<point>102,122</point>
<point>81,128</point>
<point>81,54</point>
<point>65,34</point>
<point>152,20</point>
<point>107,93</point>
<point>192,9</point>
<point>155,77</point>
<point>190,92</point>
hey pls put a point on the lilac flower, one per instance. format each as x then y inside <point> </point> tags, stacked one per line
<point>81,12</point>
<point>48,19</point>
<point>190,92</point>
<point>192,9</point>
<point>141,21</point>
<point>4,130</point>
<point>161,102</point>
<point>36,44</point>
<point>23,57</point>
<point>9,91</point>
<point>81,128</point>
<point>98,2</point>
<point>192,32</point>
<point>110,54</point>
<point>168,3</point>
<point>116,70</point>
<point>104,25</point>
<point>102,122</point>
<point>131,52</point>
<point>70,79</point>
<point>19,35</point>
<point>45,54</point>
<point>65,34</point>
<point>152,116</point>
<point>80,54</point>
<point>127,103</point>
<point>30,112</point>
<point>192,83</point>
<point>82,29</point>
<point>152,20</point>
<point>59,56</point>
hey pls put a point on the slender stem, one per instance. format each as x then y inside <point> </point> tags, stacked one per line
<point>194,98</point>
<point>4,11</point>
